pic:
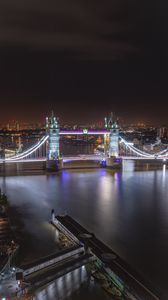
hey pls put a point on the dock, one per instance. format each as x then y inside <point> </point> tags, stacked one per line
<point>44,270</point>
<point>117,270</point>
<point>83,248</point>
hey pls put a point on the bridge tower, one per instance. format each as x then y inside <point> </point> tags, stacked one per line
<point>113,149</point>
<point>114,140</point>
<point>54,162</point>
<point>113,127</point>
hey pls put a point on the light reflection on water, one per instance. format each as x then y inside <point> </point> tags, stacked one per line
<point>74,285</point>
<point>128,211</point>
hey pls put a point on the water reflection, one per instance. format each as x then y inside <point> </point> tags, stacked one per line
<point>128,166</point>
<point>127,210</point>
<point>164,174</point>
<point>74,285</point>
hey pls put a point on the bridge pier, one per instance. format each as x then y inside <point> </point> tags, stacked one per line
<point>54,164</point>
<point>113,162</point>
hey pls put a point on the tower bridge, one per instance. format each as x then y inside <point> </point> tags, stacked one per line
<point>111,157</point>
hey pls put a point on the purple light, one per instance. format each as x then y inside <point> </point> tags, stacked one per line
<point>118,160</point>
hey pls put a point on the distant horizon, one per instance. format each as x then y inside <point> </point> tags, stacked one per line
<point>139,123</point>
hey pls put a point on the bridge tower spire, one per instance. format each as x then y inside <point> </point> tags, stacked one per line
<point>53,146</point>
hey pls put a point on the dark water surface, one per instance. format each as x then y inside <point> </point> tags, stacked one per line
<point>128,210</point>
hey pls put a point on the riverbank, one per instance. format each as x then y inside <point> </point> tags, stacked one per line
<point>8,246</point>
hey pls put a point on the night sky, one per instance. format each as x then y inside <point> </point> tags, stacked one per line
<point>83,59</point>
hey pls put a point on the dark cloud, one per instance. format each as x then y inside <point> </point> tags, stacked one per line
<point>70,25</point>
<point>92,56</point>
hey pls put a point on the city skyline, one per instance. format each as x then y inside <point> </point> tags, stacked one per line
<point>99,123</point>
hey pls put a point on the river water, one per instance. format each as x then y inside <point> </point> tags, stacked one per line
<point>128,210</point>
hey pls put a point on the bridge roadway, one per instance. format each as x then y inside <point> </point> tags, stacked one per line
<point>83,157</point>
<point>131,279</point>
<point>65,158</point>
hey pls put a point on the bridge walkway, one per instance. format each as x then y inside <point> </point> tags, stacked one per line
<point>49,260</point>
<point>56,270</point>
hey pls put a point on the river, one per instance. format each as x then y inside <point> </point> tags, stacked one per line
<point>128,210</point>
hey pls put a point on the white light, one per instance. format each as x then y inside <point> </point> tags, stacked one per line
<point>85,131</point>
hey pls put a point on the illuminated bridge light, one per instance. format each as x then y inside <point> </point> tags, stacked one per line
<point>162,155</point>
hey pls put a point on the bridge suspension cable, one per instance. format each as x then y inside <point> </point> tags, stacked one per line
<point>143,153</point>
<point>162,152</point>
<point>29,151</point>
<point>135,150</point>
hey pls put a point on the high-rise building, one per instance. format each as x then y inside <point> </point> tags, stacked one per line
<point>163,132</point>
